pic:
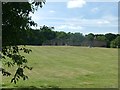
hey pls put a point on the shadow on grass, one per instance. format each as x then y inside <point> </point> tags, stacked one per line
<point>54,88</point>
<point>33,88</point>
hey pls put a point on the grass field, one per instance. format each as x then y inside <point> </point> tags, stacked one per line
<point>67,66</point>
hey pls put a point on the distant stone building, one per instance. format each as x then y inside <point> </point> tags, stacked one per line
<point>56,42</point>
<point>94,43</point>
<point>62,42</point>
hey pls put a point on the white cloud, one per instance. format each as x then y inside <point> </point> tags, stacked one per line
<point>78,23</point>
<point>35,17</point>
<point>69,27</point>
<point>89,22</point>
<point>33,27</point>
<point>61,27</point>
<point>110,17</point>
<point>52,11</point>
<point>103,22</point>
<point>76,3</point>
<point>102,0</point>
<point>106,21</point>
<point>86,0</point>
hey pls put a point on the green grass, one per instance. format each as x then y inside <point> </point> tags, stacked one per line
<point>67,66</point>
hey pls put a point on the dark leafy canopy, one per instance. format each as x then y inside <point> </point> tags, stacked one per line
<point>100,37</point>
<point>115,43</point>
<point>47,33</point>
<point>46,36</point>
<point>109,37</point>
<point>38,36</point>
<point>90,37</point>
<point>16,23</point>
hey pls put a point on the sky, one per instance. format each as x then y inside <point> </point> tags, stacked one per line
<point>84,16</point>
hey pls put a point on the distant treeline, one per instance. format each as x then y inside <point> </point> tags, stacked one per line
<point>46,36</point>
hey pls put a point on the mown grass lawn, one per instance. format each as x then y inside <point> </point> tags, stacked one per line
<point>68,66</point>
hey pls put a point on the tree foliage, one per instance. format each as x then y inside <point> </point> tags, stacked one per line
<point>47,36</point>
<point>90,37</point>
<point>16,22</point>
<point>100,37</point>
<point>109,38</point>
<point>115,43</point>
